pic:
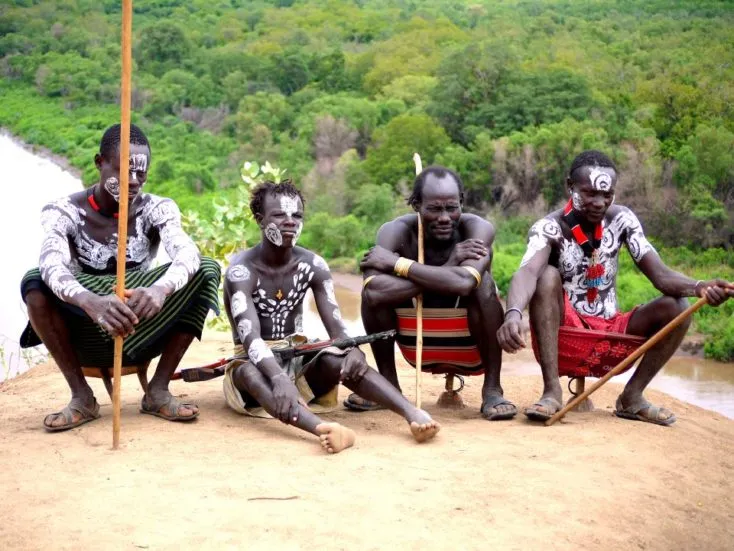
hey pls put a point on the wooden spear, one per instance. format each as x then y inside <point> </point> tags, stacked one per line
<point>127,23</point>
<point>652,341</point>
<point>419,303</point>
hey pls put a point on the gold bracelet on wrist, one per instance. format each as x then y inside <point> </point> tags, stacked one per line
<point>474,272</point>
<point>402,266</point>
<point>366,281</point>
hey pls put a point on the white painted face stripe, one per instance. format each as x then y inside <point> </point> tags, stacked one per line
<point>600,180</point>
<point>139,162</point>
<point>112,185</point>
<point>272,233</point>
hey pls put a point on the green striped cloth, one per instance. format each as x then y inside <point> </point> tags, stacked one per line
<point>186,309</point>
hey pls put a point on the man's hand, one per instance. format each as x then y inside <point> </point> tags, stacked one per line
<point>716,291</point>
<point>470,249</point>
<point>111,314</point>
<point>380,259</point>
<point>509,334</point>
<point>146,302</point>
<point>286,397</point>
<point>354,367</point>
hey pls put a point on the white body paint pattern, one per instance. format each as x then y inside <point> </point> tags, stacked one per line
<point>244,328</point>
<point>320,263</point>
<point>258,351</point>
<point>624,228</point>
<point>238,273</point>
<point>280,311</point>
<point>239,304</point>
<point>600,180</point>
<point>272,233</point>
<point>68,249</point>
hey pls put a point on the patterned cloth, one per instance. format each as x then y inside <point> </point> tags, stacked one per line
<point>448,347</point>
<point>185,309</point>
<point>296,368</point>
<point>590,346</point>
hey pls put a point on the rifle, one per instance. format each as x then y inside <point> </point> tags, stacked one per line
<point>216,369</point>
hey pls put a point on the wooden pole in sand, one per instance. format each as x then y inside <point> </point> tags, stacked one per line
<point>127,24</point>
<point>419,302</point>
<point>652,341</point>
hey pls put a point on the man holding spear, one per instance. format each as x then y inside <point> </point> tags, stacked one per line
<point>70,303</point>
<point>264,289</point>
<point>568,278</point>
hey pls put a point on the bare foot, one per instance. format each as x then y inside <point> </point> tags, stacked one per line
<point>423,427</point>
<point>335,437</point>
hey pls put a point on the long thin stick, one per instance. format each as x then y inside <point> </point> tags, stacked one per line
<point>127,24</point>
<point>419,303</point>
<point>652,341</point>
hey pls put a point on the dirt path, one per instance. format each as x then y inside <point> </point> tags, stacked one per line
<point>595,481</point>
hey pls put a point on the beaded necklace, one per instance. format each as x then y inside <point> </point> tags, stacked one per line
<point>594,269</point>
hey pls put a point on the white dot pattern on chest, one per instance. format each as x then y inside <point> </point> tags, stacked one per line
<point>281,310</point>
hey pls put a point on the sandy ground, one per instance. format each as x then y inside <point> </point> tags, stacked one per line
<point>593,481</point>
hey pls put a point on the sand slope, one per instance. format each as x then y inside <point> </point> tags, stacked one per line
<point>594,481</point>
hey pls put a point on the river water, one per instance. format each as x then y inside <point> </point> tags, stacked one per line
<point>30,181</point>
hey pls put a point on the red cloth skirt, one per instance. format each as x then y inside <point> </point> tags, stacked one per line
<point>590,346</point>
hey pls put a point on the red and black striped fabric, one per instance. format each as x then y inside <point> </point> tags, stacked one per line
<point>448,346</point>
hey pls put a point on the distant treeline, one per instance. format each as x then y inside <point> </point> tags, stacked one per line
<point>340,93</point>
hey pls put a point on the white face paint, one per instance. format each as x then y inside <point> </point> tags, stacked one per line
<point>600,180</point>
<point>239,304</point>
<point>273,234</point>
<point>576,200</point>
<point>238,273</point>
<point>258,351</point>
<point>139,162</point>
<point>289,205</point>
<point>112,185</point>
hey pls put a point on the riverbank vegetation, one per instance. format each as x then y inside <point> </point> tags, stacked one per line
<point>341,93</point>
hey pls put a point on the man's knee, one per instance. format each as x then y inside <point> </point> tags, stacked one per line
<point>549,282</point>
<point>244,376</point>
<point>37,301</point>
<point>670,307</point>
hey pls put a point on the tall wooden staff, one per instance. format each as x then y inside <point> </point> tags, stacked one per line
<point>419,302</point>
<point>127,24</point>
<point>652,341</point>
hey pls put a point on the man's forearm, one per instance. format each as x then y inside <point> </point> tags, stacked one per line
<point>522,289</point>
<point>454,280</point>
<point>389,289</point>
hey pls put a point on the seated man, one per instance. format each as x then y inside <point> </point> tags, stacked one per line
<point>71,305</point>
<point>263,293</point>
<point>455,278</point>
<point>568,276</point>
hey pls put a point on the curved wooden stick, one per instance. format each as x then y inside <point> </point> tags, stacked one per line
<point>127,23</point>
<point>652,341</point>
<point>419,303</point>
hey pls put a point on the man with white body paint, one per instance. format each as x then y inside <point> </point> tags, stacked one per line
<point>264,289</point>
<point>568,278</point>
<point>71,305</point>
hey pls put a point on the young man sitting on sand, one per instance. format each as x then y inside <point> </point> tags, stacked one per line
<point>568,277</point>
<point>263,293</point>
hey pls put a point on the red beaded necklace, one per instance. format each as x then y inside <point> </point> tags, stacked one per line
<point>95,206</point>
<point>594,269</point>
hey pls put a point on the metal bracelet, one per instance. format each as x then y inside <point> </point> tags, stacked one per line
<point>513,309</point>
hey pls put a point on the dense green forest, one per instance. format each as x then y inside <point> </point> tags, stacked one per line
<point>340,94</point>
